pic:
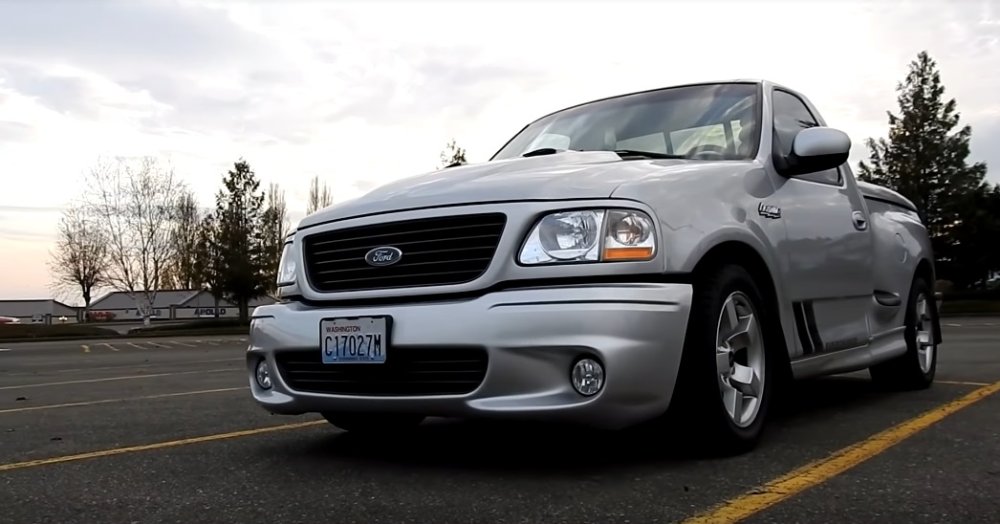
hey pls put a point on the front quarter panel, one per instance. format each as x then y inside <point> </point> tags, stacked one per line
<point>706,206</point>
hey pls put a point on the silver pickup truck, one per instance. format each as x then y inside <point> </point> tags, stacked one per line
<point>671,257</point>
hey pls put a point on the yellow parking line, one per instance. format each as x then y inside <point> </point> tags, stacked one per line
<point>158,445</point>
<point>816,473</point>
<point>110,379</point>
<point>114,400</point>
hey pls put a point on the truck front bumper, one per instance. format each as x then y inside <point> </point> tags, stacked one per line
<point>531,338</point>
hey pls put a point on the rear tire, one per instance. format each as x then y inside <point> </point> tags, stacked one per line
<point>373,422</point>
<point>728,371</point>
<point>916,368</point>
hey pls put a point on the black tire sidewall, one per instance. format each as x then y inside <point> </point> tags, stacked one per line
<point>701,397</point>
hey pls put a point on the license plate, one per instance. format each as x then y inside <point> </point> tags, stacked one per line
<point>354,340</point>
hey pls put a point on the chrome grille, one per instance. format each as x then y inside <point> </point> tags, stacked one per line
<point>435,251</point>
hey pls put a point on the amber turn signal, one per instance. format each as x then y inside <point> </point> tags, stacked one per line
<point>628,253</point>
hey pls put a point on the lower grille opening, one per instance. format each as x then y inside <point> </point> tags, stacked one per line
<point>406,371</point>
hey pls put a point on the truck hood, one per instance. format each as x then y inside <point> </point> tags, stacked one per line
<point>569,175</point>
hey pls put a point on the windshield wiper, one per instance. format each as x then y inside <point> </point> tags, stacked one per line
<point>620,152</point>
<point>647,154</point>
<point>540,152</point>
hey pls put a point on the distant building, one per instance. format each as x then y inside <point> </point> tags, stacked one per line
<point>41,311</point>
<point>168,304</point>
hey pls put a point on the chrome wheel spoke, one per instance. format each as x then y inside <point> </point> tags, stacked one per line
<point>745,379</point>
<point>733,400</point>
<point>742,336</point>
<point>722,360</point>
<point>732,317</point>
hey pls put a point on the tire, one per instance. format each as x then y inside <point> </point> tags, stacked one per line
<point>373,422</point>
<point>916,368</point>
<point>706,401</point>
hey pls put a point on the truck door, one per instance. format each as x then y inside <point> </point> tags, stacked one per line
<point>828,252</point>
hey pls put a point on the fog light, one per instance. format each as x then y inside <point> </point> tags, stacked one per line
<point>587,377</point>
<point>263,375</point>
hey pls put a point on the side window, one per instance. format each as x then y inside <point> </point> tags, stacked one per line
<point>790,117</point>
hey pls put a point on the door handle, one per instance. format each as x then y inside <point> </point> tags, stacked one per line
<point>860,222</point>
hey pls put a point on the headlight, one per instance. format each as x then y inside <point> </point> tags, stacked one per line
<point>590,235</point>
<point>286,267</point>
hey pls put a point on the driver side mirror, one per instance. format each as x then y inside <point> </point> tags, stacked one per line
<point>816,149</point>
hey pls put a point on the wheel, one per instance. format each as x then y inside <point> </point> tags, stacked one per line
<point>916,368</point>
<point>373,422</point>
<point>727,373</point>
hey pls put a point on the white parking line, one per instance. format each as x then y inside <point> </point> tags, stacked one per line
<point>179,343</point>
<point>157,344</point>
<point>953,325</point>
<point>109,346</point>
<point>136,346</point>
<point>3,349</point>
<point>116,400</point>
<point>111,379</point>
<point>129,368</point>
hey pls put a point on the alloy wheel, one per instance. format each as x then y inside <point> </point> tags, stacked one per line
<point>739,359</point>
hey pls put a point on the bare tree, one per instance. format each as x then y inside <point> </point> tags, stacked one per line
<point>80,260</point>
<point>318,197</point>
<point>452,155</point>
<point>135,203</point>
<point>276,226</point>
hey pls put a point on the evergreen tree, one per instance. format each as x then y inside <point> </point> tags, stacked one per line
<point>181,272</point>
<point>924,159</point>
<point>240,237</point>
<point>973,246</point>
<point>209,266</point>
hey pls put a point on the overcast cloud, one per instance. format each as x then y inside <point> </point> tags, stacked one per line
<point>364,93</point>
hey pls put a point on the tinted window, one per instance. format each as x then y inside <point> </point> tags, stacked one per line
<point>791,116</point>
<point>704,122</point>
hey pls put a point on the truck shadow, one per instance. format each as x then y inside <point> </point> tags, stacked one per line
<point>807,410</point>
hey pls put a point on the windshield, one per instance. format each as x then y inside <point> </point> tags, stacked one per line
<point>709,122</point>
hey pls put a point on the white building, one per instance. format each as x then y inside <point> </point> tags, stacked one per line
<point>167,304</point>
<point>41,311</point>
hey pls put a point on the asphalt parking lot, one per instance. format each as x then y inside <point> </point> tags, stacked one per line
<point>164,430</point>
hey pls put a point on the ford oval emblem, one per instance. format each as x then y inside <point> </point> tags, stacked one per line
<point>383,256</point>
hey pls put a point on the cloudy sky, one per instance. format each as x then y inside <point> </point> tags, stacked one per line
<point>363,93</point>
